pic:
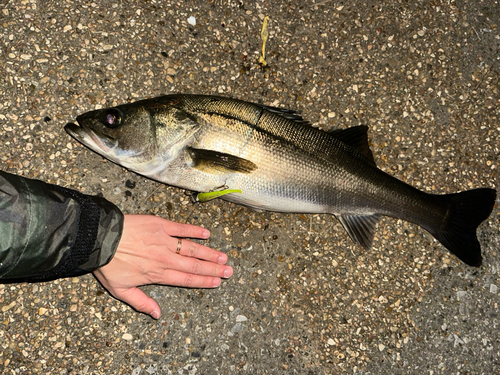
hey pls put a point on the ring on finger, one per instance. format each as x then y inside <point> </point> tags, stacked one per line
<point>179,245</point>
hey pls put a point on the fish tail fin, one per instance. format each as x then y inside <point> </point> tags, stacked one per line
<point>466,210</point>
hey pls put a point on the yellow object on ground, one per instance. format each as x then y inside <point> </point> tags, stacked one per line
<point>264,34</point>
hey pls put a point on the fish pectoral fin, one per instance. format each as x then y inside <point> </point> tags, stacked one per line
<point>218,162</point>
<point>361,228</point>
<point>356,137</point>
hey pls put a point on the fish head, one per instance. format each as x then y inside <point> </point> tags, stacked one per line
<point>139,137</point>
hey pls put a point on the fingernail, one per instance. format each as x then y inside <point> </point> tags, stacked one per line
<point>155,314</point>
<point>222,259</point>
<point>216,282</point>
<point>205,233</point>
<point>228,272</point>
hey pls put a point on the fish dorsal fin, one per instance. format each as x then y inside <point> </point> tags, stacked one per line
<point>356,137</point>
<point>289,114</point>
<point>361,228</point>
<point>218,162</point>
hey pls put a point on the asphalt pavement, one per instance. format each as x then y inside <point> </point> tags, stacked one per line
<point>304,299</point>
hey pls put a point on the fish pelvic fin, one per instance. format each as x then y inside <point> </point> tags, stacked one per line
<point>361,228</point>
<point>466,210</point>
<point>218,162</point>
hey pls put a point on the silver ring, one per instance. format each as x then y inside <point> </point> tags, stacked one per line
<point>179,245</point>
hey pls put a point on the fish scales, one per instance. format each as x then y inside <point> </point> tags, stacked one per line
<point>267,185</point>
<point>307,179</point>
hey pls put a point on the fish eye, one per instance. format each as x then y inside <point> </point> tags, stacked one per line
<point>112,118</point>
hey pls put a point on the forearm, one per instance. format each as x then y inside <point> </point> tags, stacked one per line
<point>49,232</point>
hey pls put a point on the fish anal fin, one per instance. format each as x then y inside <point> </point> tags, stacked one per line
<point>356,137</point>
<point>215,161</point>
<point>361,228</point>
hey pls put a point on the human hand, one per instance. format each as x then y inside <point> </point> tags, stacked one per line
<point>146,254</point>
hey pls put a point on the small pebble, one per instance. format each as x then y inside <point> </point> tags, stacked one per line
<point>127,336</point>
<point>241,318</point>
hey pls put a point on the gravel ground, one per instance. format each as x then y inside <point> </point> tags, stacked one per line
<point>425,77</point>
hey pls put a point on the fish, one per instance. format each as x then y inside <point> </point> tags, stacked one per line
<point>276,161</point>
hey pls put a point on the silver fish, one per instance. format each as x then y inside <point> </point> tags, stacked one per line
<point>278,162</point>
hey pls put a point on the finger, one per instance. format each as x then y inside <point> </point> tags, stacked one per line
<point>200,267</point>
<point>175,229</point>
<point>187,280</point>
<point>195,250</point>
<point>137,299</point>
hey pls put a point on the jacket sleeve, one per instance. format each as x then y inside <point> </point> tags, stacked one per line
<point>48,232</point>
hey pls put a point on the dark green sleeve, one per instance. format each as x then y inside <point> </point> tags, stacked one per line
<point>49,232</point>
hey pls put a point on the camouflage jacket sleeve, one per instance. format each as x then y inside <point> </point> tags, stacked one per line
<point>48,232</point>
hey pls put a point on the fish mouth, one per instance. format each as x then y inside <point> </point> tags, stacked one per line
<point>93,139</point>
<point>108,147</point>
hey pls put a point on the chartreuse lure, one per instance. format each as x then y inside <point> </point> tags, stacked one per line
<point>205,197</point>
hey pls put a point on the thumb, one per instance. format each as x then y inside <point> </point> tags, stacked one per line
<point>137,299</point>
